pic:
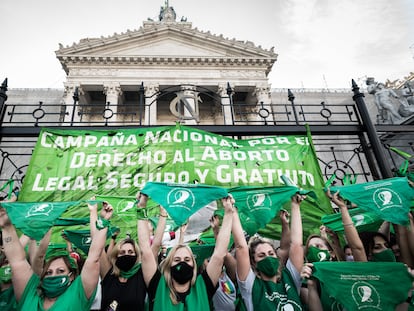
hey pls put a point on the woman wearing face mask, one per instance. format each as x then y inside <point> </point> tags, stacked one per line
<point>7,299</point>
<point>273,286</point>
<point>317,249</point>
<point>58,283</point>
<point>123,286</point>
<point>177,286</point>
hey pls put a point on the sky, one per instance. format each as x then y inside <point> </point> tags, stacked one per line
<point>320,43</point>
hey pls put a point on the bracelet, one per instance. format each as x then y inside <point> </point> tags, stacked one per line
<point>161,215</point>
<point>142,213</point>
<point>350,224</point>
<point>102,223</point>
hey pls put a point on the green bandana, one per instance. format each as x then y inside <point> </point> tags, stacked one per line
<point>268,266</point>
<point>72,221</point>
<point>182,200</point>
<point>386,255</point>
<point>130,272</point>
<point>202,252</point>
<point>257,206</point>
<point>364,285</point>
<point>53,253</point>
<point>5,274</point>
<point>54,286</point>
<point>82,238</point>
<point>388,198</point>
<point>316,255</point>
<point>363,220</point>
<point>36,218</point>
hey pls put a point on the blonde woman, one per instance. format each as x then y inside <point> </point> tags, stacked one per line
<point>176,286</point>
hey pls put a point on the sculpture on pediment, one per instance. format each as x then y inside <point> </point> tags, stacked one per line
<point>407,93</point>
<point>391,108</point>
<point>167,13</point>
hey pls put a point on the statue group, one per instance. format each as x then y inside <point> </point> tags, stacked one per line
<point>392,108</point>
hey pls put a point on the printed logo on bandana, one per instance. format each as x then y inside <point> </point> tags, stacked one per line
<point>181,197</point>
<point>336,306</point>
<point>386,198</point>
<point>125,207</point>
<point>259,201</point>
<point>290,305</point>
<point>322,256</point>
<point>40,209</point>
<point>365,295</point>
<point>358,219</point>
<point>86,240</point>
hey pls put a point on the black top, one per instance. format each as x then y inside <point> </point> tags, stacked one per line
<point>129,295</point>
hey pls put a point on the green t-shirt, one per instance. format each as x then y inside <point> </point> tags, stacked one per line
<point>7,300</point>
<point>73,299</point>
<point>268,295</point>
<point>197,299</point>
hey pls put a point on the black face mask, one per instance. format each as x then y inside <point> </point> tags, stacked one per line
<point>126,262</point>
<point>182,272</point>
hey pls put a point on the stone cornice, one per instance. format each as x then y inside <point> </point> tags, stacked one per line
<point>68,60</point>
<point>151,28</point>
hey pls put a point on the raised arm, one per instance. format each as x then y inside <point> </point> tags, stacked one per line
<point>283,251</point>
<point>40,252</point>
<point>159,232</point>
<point>229,260</point>
<point>296,252</point>
<point>91,269</point>
<point>148,261</point>
<point>104,264</point>
<point>242,249</point>
<point>351,233</point>
<point>22,271</point>
<point>214,267</point>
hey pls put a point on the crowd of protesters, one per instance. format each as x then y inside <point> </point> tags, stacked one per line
<point>241,273</point>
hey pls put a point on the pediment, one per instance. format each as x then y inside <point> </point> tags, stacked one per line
<point>175,40</point>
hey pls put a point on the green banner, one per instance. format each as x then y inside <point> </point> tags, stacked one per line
<point>70,165</point>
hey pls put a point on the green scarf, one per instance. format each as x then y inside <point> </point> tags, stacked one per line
<point>35,219</point>
<point>197,299</point>
<point>182,200</point>
<point>363,220</point>
<point>364,285</point>
<point>388,198</point>
<point>257,206</point>
<point>130,272</point>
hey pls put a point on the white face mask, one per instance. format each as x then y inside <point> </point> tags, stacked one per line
<point>349,258</point>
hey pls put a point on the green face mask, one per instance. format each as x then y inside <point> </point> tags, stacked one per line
<point>316,255</point>
<point>54,286</point>
<point>5,274</point>
<point>268,266</point>
<point>386,255</point>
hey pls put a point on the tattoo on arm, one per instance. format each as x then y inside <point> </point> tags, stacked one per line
<point>7,239</point>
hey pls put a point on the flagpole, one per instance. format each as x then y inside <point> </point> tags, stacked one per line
<point>371,132</point>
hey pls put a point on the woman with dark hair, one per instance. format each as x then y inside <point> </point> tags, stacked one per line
<point>59,283</point>
<point>377,247</point>
<point>270,285</point>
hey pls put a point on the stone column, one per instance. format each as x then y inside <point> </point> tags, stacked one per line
<point>151,104</point>
<point>264,104</point>
<point>113,92</point>
<point>226,104</point>
<point>189,101</point>
<point>70,109</point>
